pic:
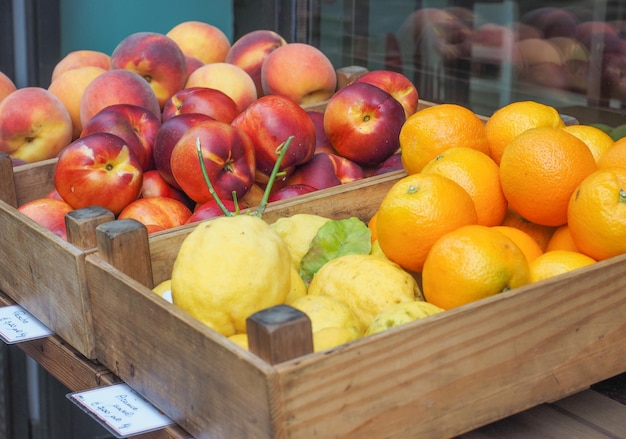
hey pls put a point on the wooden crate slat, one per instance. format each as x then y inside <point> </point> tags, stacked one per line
<point>607,415</point>
<point>466,367</point>
<point>539,422</point>
<point>34,180</point>
<point>359,199</point>
<point>45,275</point>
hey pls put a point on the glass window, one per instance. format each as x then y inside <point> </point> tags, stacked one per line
<point>484,54</point>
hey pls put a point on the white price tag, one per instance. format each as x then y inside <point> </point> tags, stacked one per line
<point>120,410</point>
<point>18,325</point>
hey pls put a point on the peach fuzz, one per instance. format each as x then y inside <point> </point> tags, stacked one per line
<point>7,86</point>
<point>34,124</point>
<point>250,51</point>
<point>227,78</point>
<point>69,88</point>
<point>201,40</point>
<point>300,72</point>
<point>118,86</point>
<point>155,57</point>
<point>81,58</point>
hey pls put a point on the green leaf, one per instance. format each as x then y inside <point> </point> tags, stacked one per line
<point>335,238</point>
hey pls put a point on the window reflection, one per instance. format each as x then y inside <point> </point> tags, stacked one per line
<point>486,54</point>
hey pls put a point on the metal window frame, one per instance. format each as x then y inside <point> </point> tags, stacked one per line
<point>33,29</point>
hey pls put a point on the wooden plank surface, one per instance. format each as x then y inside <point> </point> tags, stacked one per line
<point>546,421</point>
<point>438,377</point>
<point>596,409</point>
<point>34,180</point>
<point>450,373</point>
<point>45,275</point>
<point>77,372</point>
<point>586,415</point>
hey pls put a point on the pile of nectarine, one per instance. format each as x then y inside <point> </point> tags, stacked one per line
<point>135,124</point>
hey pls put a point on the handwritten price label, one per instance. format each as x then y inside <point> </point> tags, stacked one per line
<point>120,410</point>
<point>18,325</point>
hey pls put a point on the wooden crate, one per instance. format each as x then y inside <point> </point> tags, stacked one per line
<point>438,377</point>
<point>44,273</point>
<point>39,270</point>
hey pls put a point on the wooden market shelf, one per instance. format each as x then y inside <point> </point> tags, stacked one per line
<point>78,373</point>
<point>586,414</point>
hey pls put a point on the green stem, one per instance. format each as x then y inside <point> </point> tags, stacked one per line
<point>208,181</point>
<point>281,151</point>
<point>236,202</point>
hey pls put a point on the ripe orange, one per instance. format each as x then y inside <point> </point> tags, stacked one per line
<point>555,262</point>
<point>432,130</point>
<point>615,155</point>
<point>523,240</point>
<point>511,120</point>
<point>597,214</point>
<point>562,240</point>
<point>540,233</point>
<point>415,212</point>
<point>539,171</point>
<point>371,224</point>
<point>596,140</point>
<point>479,175</point>
<point>471,263</point>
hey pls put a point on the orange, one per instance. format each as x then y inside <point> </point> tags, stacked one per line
<point>430,131</point>
<point>471,263</point>
<point>415,212</point>
<point>555,262</point>
<point>539,171</point>
<point>541,234</point>
<point>614,156</point>
<point>511,120</point>
<point>479,175</point>
<point>523,240</point>
<point>596,140</point>
<point>597,214</point>
<point>561,240</point>
<point>371,224</point>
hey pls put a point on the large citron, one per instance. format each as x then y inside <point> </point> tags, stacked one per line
<point>366,283</point>
<point>228,268</point>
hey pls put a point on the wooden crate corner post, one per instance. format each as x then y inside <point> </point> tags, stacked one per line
<point>7,181</point>
<point>279,333</point>
<point>124,244</point>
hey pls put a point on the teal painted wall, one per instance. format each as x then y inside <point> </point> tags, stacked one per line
<point>101,25</point>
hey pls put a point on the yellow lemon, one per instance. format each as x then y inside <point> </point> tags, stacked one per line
<point>596,140</point>
<point>377,251</point>
<point>298,287</point>
<point>331,337</point>
<point>228,268</point>
<point>298,231</point>
<point>366,283</point>
<point>401,313</point>
<point>332,321</point>
<point>163,288</point>
<point>241,339</point>
<point>555,262</point>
